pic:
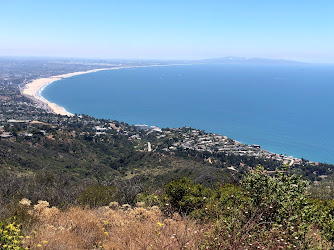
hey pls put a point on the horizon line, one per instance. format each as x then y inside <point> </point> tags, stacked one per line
<point>163,59</point>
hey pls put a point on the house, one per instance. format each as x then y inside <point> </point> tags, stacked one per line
<point>6,135</point>
<point>142,127</point>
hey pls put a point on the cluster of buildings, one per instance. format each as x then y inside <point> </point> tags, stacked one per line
<point>15,107</point>
<point>173,139</point>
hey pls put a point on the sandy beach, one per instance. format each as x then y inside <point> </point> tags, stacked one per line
<point>34,89</point>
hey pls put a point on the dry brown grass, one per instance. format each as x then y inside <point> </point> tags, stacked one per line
<point>111,228</point>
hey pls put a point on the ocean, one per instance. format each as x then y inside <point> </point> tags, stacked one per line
<point>287,109</point>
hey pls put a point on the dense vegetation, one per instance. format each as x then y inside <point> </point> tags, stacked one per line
<point>260,212</point>
<point>77,168</point>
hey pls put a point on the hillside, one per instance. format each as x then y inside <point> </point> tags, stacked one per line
<point>262,212</point>
<point>119,186</point>
<point>98,183</point>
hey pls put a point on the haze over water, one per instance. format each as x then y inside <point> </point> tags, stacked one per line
<point>284,108</point>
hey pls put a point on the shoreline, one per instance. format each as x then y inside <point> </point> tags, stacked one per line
<point>34,89</point>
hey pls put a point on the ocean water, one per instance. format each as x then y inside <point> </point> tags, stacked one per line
<point>286,109</point>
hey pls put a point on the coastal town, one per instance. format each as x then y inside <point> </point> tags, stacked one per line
<point>195,139</point>
<point>17,106</point>
<point>27,117</point>
<point>145,138</point>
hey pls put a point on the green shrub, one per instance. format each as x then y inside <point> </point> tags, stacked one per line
<point>96,196</point>
<point>150,199</point>
<point>282,203</point>
<point>265,211</point>
<point>184,196</point>
<point>325,211</point>
<point>219,204</point>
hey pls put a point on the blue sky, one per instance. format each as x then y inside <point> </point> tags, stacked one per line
<point>180,29</point>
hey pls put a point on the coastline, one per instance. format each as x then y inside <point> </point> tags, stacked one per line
<point>34,89</point>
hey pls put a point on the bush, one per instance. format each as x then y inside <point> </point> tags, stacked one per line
<point>184,196</point>
<point>266,212</point>
<point>223,198</point>
<point>96,196</point>
<point>281,202</point>
<point>149,200</point>
<point>325,210</point>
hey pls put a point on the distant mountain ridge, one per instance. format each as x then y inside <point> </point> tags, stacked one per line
<point>248,60</point>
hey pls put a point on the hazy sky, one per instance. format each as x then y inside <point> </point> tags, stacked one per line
<point>170,29</point>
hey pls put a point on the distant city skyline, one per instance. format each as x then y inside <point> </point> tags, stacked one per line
<point>285,29</point>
